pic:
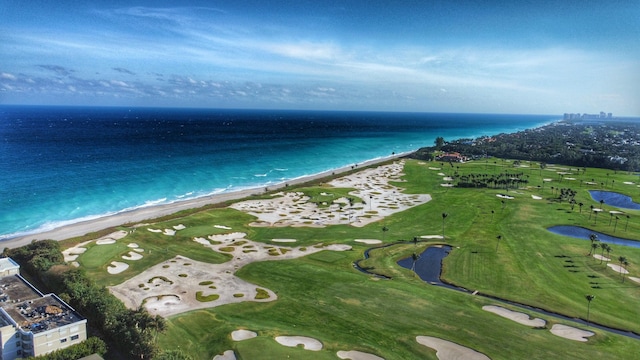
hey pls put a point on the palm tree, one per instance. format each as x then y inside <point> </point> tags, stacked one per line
<point>384,230</point>
<point>625,225</point>
<point>591,212</point>
<point>589,299</point>
<point>622,260</point>
<point>625,264</point>
<point>593,237</point>
<point>603,246</point>
<point>615,225</point>
<point>444,216</point>
<point>499,237</point>
<point>415,258</point>
<point>415,243</point>
<point>580,205</point>
<point>594,246</point>
<point>609,249</point>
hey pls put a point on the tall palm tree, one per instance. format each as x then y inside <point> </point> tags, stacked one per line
<point>415,258</point>
<point>603,246</point>
<point>609,249</point>
<point>593,238</point>
<point>580,205</point>
<point>444,216</point>
<point>615,225</point>
<point>625,225</point>
<point>625,264</point>
<point>622,261</point>
<point>594,247</point>
<point>499,237</point>
<point>384,231</point>
<point>589,299</point>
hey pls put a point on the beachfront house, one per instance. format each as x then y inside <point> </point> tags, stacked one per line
<point>32,323</point>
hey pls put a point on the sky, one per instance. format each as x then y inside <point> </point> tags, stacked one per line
<point>520,57</point>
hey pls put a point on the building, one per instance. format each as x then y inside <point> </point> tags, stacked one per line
<point>31,323</point>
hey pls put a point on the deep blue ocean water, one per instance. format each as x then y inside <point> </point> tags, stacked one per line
<point>60,165</point>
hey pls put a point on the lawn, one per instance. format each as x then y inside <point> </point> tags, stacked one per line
<point>323,296</point>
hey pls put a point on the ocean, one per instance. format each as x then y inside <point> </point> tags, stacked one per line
<point>61,165</point>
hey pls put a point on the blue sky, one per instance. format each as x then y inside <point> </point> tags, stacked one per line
<point>536,57</point>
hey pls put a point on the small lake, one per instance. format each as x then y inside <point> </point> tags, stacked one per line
<point>429,264</point>
<point>614,199</point>
<point>583,233</point>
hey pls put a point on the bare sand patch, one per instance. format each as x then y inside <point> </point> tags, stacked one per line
<point>634,279</point>
<point>132,245</point>
<point>520,318</point>
<point>536,197</point>
<point>222,227</point>
<point>571,333</point>
<point>227,355</point>
<point>617,268</point>
<point>284,240</point>
<point>179,227</point>
<point>372,185</point>
<point>357,355</point>
<point>447,350</point>
<point>307,343</point>
<point>117,267</point>
<point>431,236</point>
<point>105,242</point>
<point>434,168</point>
<point>132,255</point>
<point>239,335</point>
<point>600,257</point>
<point>199,285</point>
<point>368,241</point>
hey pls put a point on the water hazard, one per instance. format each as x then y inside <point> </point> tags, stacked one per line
<point>614,199</point>
<point>584,233</point>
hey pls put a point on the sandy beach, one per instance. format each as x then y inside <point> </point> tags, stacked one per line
<point>154,212</point>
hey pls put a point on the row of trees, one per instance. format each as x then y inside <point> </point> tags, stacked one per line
<point>132,332</point>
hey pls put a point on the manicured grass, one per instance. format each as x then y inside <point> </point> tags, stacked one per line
<point>324,297</point>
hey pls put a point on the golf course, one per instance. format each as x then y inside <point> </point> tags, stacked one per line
<point>279,265</point>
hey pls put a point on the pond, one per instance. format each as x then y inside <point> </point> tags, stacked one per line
<point>583,233</point>
<point>614,199</point>
<point>428,265</point>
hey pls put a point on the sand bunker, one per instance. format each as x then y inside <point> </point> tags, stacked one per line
<point>447,185</point>
<point>617,268</point>
<point>504,196</point>
<point>306,342</point>
<point>227,355</point>
<point>105,241</point>
<point>284,240</point>
<point>368,241</point>
<point>155,230</point>
<point>520,318</point>
<point>240,335</point>
<point>600,257</point>
<point>132,255</point>
<point>379,199</point>
<point>431,236</point>
<point>117,267</point>
<point>132,245</point>
<point>628,182</point>
<point>634,279</point>
<point>222,227</point>
<point>357,355</point>
<point>536,197</point>
<point>179,227</point>
<point>199,285</point>
<point>447,350</point>
<point>570,333</point>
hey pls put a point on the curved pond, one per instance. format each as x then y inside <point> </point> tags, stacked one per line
<point>614,199</point>
<point>583,233</point>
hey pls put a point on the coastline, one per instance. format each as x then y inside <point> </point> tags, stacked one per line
<point>153,212</point>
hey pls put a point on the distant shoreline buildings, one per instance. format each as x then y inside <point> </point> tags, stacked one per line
<point>585,116</point>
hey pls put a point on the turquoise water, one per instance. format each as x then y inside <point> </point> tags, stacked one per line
<point>60,165</point>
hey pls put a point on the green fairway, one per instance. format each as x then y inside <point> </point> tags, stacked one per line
<point>500,248</point>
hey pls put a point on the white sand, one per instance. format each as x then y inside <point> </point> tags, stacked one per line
<point>447,350</point>
<point>447,185</point>
<point>284,240</point>
<point>179,227</point>
<point>434,168</point>
<point>536,197</point>
<point>628,182</point>
<point>520,318</point>
<point>185,276</point>
<point>615,212</point>
<point>504,196</point>
<point>634,279</point>
<point>105,241</point>
<point>132,245</point>
<point>368,241</point>
<point>571,333</point>
<point>357,355</point>
<point>132,255</point>
<point>227,355</point>
<point>547,180</point>
<point>239,335</point>
<point>155,230</point>
<point>617,268</point>
<point>306,342</point>
<point>222,227</point>
<point>447,178</point>
<point>117,267</point>
<point>431,236</point>
<point>600,257</point>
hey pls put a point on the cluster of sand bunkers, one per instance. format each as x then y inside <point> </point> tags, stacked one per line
<point>182,284</point>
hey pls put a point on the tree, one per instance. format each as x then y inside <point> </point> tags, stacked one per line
<point>384,230</point>
<point>589,299</point>
<point>593,238</point>
<point>439,142</point>
<point>499,237</point>
<point>623,261</point>
<point>608,250</point>
<point>615,225</point>
<point>444,216</point>
<point>627,223</point>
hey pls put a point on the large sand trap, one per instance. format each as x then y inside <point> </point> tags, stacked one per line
<point>520,318</point>
<point>570,333</point>
<point>183,279</point>
<point>357,355</point>
<point>372,185</point>
<point>368,241</point>
<point>617,268</point>
<point>634,279</point>
<point>284,240</point>
<point>227,355</point>
<point>306,342</point>
<point>536,197</point>
<point>600,257</point>
<point>132,255</point>
<point>117,267</point>
<point>240,335</point>
<point>431,236</point>
<point>447,350</point>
